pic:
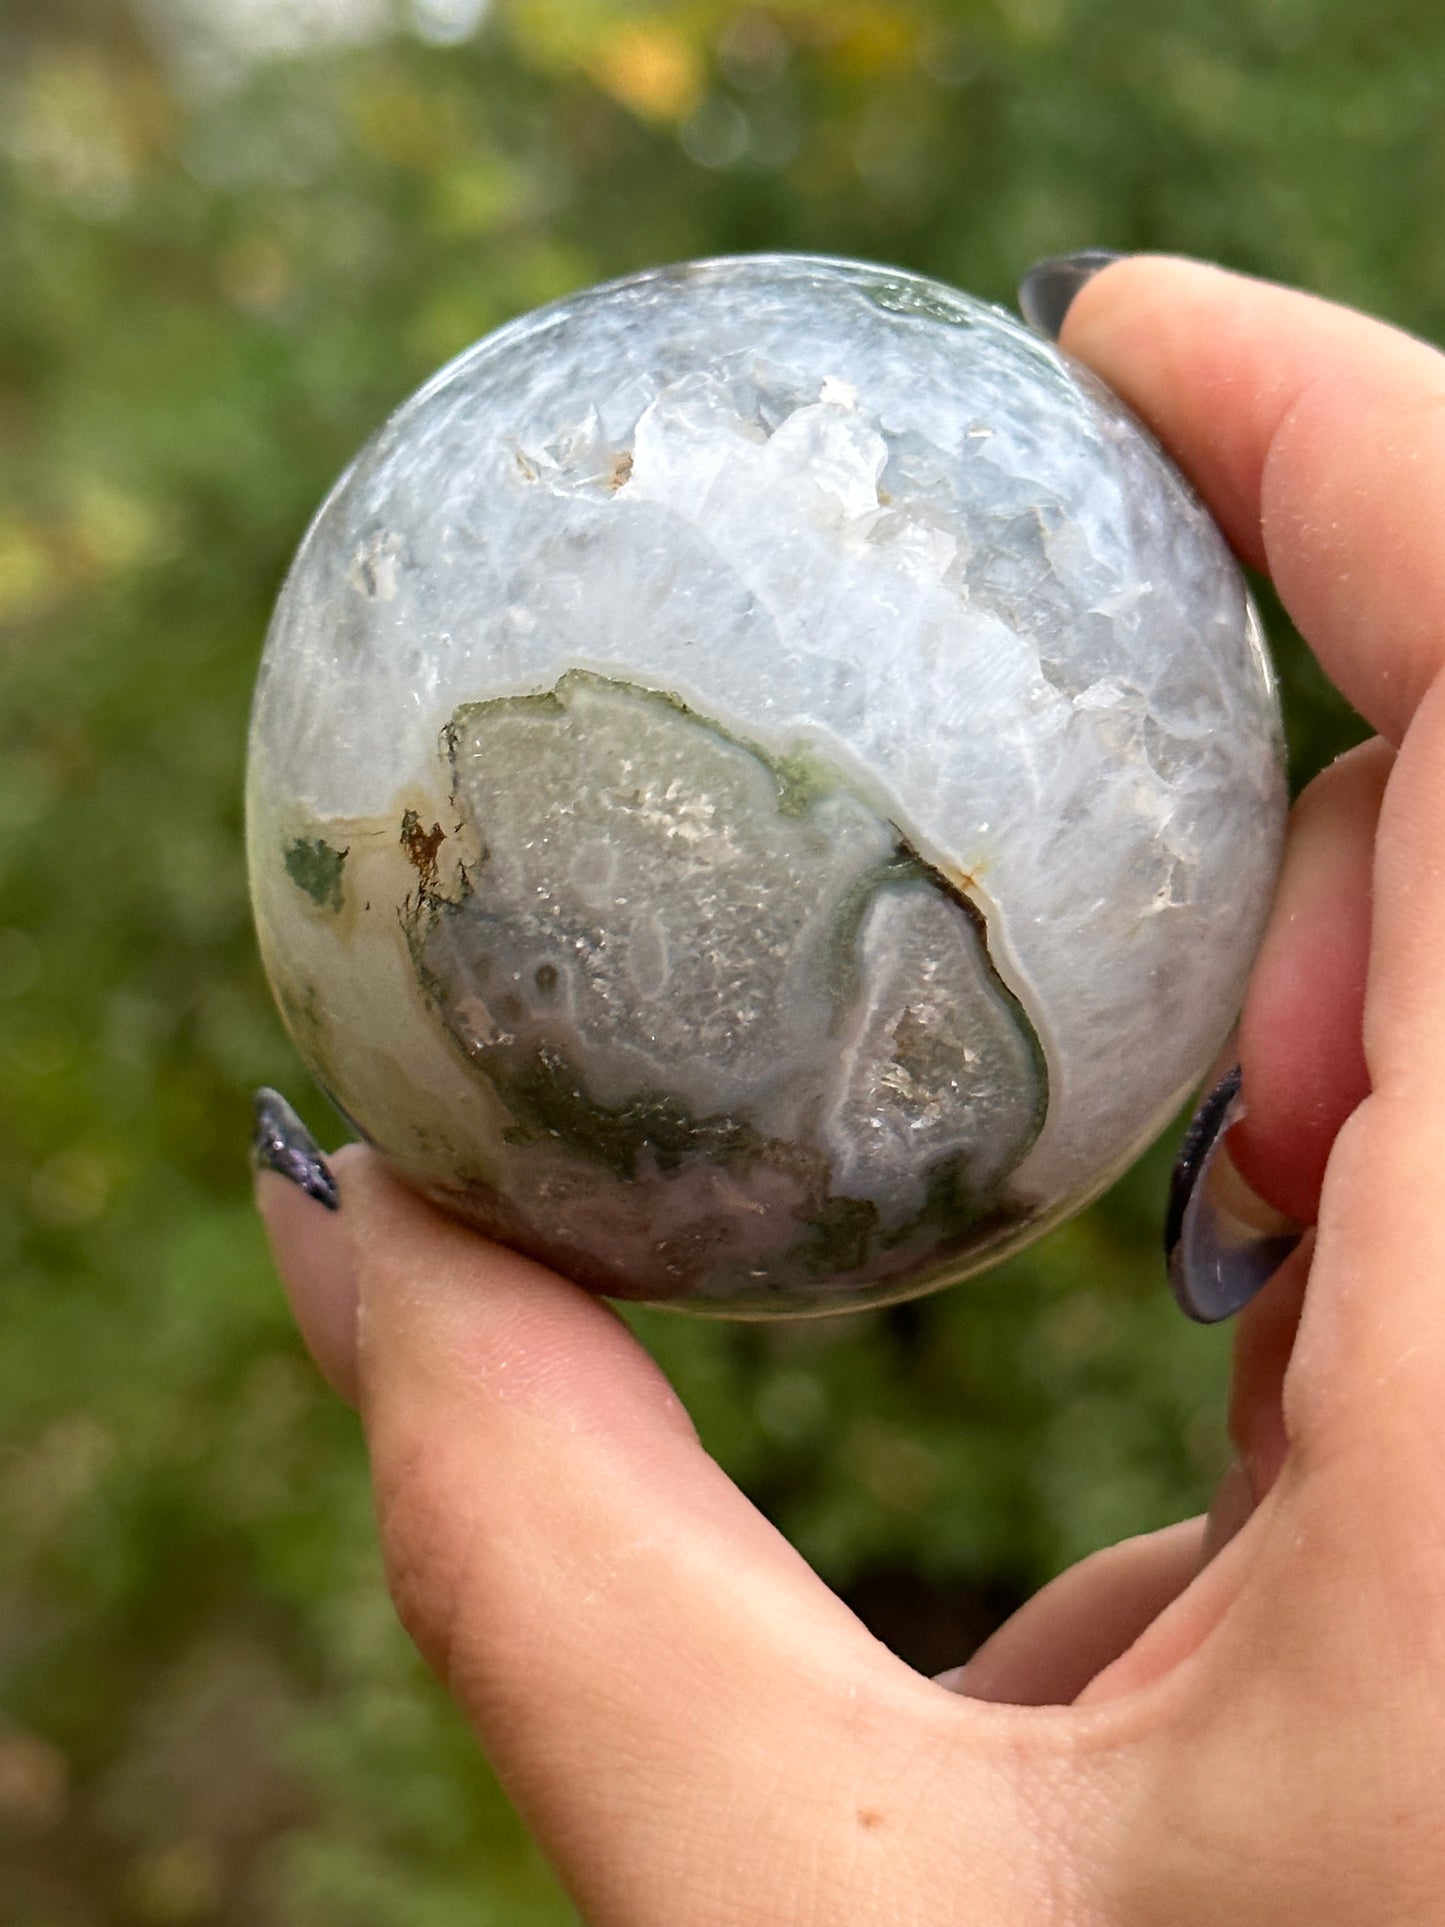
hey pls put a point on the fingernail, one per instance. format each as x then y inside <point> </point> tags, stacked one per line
<point>282,1143</point>
<point>311,1248</point>
<point>1047,291</point>
<point>1222,1244</point>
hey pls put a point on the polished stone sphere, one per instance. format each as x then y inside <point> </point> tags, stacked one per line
<point>765,786</point>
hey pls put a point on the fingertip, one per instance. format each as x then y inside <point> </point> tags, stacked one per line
<point>1051,286</point>
<point>1143,306</point>
<point>1301,1036</point>
<point>312,1252</point>
<point>452,1322</point>
<point>1172,336</point>
<point>1310,429</point>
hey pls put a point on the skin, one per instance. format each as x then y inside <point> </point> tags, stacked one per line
<point>1239,1719</point>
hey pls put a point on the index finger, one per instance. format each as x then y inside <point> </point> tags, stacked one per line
<point>1318,438</point>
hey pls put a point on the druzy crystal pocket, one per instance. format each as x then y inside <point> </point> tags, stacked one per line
<point>764,786</point>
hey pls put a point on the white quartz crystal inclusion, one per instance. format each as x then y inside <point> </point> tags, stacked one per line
<point>765,785</point>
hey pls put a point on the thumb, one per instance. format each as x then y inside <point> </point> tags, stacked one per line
<point>682,1712</point>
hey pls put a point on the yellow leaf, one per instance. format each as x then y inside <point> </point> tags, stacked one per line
<point>112,529</point>
<point>652,69</point>
<point>559,33</point>
<point>71,134</point>
<point>875,39</point>
<point>29,578</point>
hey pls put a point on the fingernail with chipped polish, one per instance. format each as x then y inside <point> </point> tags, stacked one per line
<point>1222,1244</point>
<point>1047,291</point>
<point>282,1143</point>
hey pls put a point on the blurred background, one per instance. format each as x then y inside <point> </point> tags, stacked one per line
<point>233,233</point>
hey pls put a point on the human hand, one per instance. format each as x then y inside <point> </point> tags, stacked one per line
<point>1239,1719</point>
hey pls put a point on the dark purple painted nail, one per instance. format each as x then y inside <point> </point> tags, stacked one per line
<point>282,1143</point>
<point>1222,1245</point>
<point>1047,291</point>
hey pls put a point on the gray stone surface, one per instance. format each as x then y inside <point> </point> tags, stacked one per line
<point>895,809</point>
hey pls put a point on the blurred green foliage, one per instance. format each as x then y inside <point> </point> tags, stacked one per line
<point>232,235</point>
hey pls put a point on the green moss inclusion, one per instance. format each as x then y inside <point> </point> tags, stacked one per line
<point>315,867</point>
<point>660,964</point>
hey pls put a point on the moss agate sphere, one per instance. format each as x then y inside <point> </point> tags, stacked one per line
<point>765,787</point>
